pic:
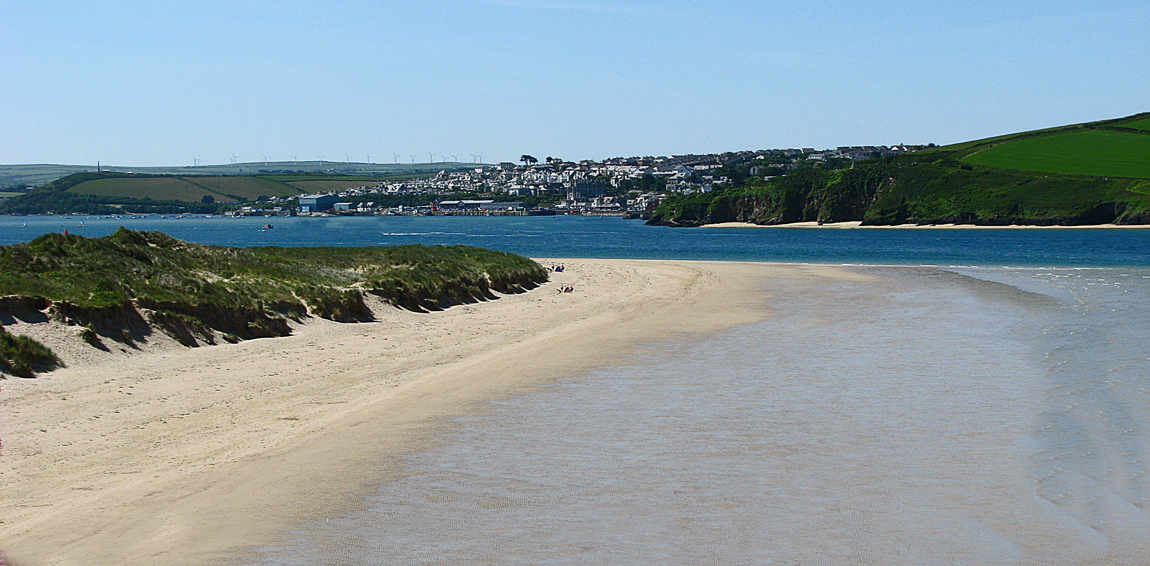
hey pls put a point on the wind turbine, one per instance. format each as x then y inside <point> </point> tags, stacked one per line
<point>396,157</point>
<point>320,158</point>
<point>195,161</point>
<point>413,160</point>
<point>348,158</point>
<point>455,159</point>
<point>430,157</point>
<point>265,159</point>
<point>294,158</point>
<point>234,158</point>
<point>369,160</point>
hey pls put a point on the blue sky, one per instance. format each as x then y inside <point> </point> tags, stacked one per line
<point>155,83</point>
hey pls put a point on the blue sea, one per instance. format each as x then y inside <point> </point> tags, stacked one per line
<point>973,397</point>
<point>576,236</point>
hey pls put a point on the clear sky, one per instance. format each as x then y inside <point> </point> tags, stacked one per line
<point>155,83</point>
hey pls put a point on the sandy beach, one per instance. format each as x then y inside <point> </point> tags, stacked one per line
<point>194,456</point>
<point>857,224</point>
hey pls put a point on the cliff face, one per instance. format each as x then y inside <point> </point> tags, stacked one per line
<point>924,189</point>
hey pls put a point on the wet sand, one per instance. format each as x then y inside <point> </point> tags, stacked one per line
<point>196,456</point>
<point>978,416</point>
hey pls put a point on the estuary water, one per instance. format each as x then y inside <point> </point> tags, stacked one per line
<point>976,397</point>
<point>925,416</point>
<point>575,236</point>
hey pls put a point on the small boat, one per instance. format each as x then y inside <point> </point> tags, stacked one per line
<point>268,227</point>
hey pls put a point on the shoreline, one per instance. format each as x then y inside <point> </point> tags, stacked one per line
<point>192,456</point>
<point>855,224</point>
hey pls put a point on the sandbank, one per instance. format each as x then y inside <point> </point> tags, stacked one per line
<point>857,224</point>
<point>171,456</point>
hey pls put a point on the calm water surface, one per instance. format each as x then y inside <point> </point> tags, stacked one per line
<point>973,416</point>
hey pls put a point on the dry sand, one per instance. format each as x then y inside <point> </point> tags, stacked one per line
<point>195,456</point>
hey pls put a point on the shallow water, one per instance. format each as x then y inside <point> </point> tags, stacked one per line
<point>992,416</point>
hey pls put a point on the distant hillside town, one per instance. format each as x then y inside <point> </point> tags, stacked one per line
<point>621,186</point>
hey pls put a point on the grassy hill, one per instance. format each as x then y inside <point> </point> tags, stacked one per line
<point>114,193</point>
<point>35,175</point>
<point>223,189</point>
<point>1137,124</point>
<point>1113,148</point>
<point>127,285</point>
<point>1073,175</point>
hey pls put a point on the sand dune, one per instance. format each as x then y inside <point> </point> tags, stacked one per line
<point>192,456</point>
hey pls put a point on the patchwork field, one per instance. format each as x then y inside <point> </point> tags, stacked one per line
<point>222,189</point>
<point>244,188</point>
<point>155,188</point>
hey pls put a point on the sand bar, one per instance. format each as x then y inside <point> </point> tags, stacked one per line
<point>858,224</point>
<point>196,456</point>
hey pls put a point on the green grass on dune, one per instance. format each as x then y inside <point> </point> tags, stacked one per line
<point>238,292</point>
<point>22,356</point>
<point>1097,153</point>
<point>129,265</point>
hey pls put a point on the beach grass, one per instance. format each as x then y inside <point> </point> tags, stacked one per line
<point>122,285</point>
<point>23,356</point>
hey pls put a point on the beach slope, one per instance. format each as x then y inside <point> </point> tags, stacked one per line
<point>196,456</point>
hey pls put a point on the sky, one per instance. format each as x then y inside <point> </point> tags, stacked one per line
<point>159,83</point>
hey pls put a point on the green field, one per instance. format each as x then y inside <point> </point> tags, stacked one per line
<point>222,189</point>
<point>155,188</point>
<point>1141,124</point>
<point>244,188</point>
<point>9,195</point>
<point>1093,152</point>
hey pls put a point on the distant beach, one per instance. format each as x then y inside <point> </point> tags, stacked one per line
<point>858,224</point>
